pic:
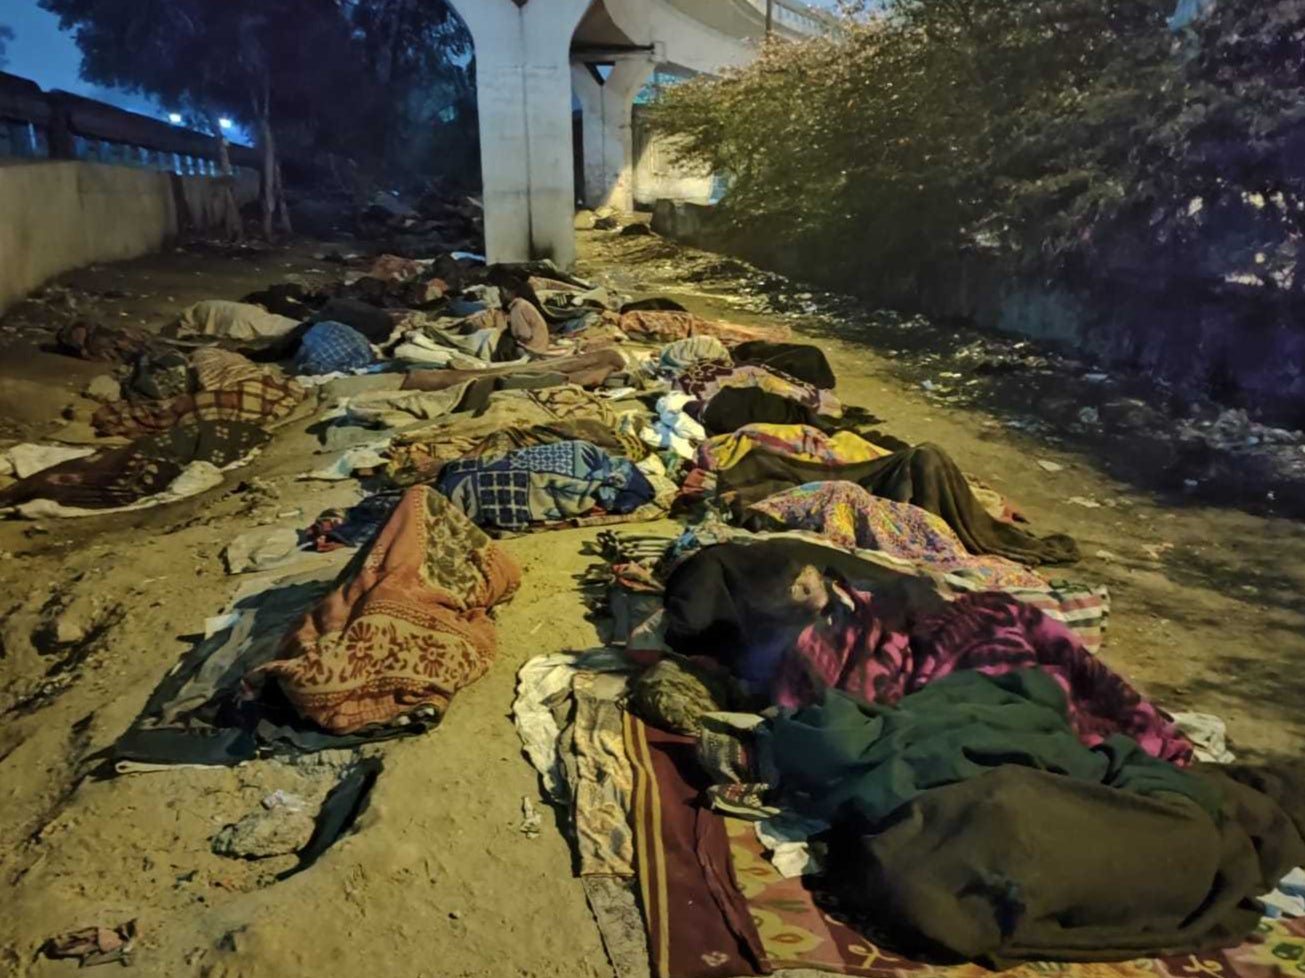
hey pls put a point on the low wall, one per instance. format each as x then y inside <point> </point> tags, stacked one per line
<point>1241,345</point>
<point>59,215</point>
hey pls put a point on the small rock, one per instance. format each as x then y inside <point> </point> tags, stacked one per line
<point>1130,414</point>
<point>1049,466</point>
<point>284,799</point>
<point>278,831</point>
<point>1089,415</point>
<point>104,389</point>
<point>1107,555</point>
<point>531,820</point>
<point>929,385</point>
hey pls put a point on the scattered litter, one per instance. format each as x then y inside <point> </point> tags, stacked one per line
<point>1089,415</point>
<point>1107,555</point>
<point>1084,502</point>
<point>1047,466</point>
<point>531,821</point>
<point>1096,378</point>
<point>1156,551</point>
<point>93,946</point>
<point>1190,483</point>
<point>929,385</point>
<point>260,550</point>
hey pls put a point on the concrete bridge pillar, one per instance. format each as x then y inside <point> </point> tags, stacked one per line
<point>523,81</point>
<point>608,131</point>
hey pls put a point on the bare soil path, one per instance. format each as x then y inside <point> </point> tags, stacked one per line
<point>439,880</point>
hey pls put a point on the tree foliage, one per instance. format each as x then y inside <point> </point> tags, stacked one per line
<point>319,78</point>
<point>1079,136</point>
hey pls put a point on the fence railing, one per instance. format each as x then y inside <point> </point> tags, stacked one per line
<point>36,124</point>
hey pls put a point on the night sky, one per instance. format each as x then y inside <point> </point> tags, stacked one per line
<point>41,52</point>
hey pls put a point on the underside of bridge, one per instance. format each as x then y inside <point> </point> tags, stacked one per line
<point>533,57</point>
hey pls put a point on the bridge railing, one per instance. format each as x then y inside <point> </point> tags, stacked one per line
<point>36,124</point>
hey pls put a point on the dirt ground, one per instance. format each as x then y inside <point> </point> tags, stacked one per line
<point>439,879</point>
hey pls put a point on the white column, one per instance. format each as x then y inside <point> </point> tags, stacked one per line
<point>523,83</point>
<point>608,132</point>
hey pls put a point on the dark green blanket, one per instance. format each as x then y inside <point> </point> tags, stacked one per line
<point>848,758</point>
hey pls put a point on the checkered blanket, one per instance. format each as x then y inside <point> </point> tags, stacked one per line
<point>542,483</point>
<point>259,402</point>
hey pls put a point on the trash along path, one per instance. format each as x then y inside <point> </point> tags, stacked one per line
<point>437,620</point>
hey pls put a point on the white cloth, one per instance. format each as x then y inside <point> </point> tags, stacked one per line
<point>539,684</point>
<point>673,429</point>
<point>196,478</point>
<point>1209,734</point>
<point>788,839</point>
<point>1288,900</point>
<point>24,460</point>
<point>233,321</point>
<point>366,456</point>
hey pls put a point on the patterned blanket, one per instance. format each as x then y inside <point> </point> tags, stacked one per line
<point>848,516</point>
<point>406,626</point>
<point>260,402</point>
<point>703,381</point>
<point>991,632</point>
<point>542,483</point>
<point>666,326</point>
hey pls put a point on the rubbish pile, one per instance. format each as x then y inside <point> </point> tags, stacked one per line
<point>848,718</point>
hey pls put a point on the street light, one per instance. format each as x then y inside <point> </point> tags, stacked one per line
<point>174,118</point>
<point>225,123</point>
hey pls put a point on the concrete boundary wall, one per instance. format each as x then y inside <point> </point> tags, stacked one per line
<point>59,215</point>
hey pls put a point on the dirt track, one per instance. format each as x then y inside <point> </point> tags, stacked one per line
<point>439,880</point>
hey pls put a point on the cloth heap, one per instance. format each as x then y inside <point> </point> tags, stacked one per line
<point>924,475</point>
<point>217,369</point>
<point>146,467</point>
<point>1097,873</point>
<point>667,326</point>
<point>993,633</point>
<point>737,407</point>
<point>329,348</point>
<point>543,483</point>
<point>107,344</point>
<point>847,515</point>
<point>674,357</point>
<point>796,441</point>
<point>714,904</point>
<point>703,381</point>
<point>583,370</point>
<point>240,321</point>
<point>158,375</point>
<point>801,360</point>
<point>263,402</point>
<point>845,759</point>
<point>406,626</point>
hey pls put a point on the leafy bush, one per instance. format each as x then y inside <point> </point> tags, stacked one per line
<point>1080,138</point>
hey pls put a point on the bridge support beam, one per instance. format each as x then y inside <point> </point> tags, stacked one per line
<point>523,81</point>
<point>608,131</point>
